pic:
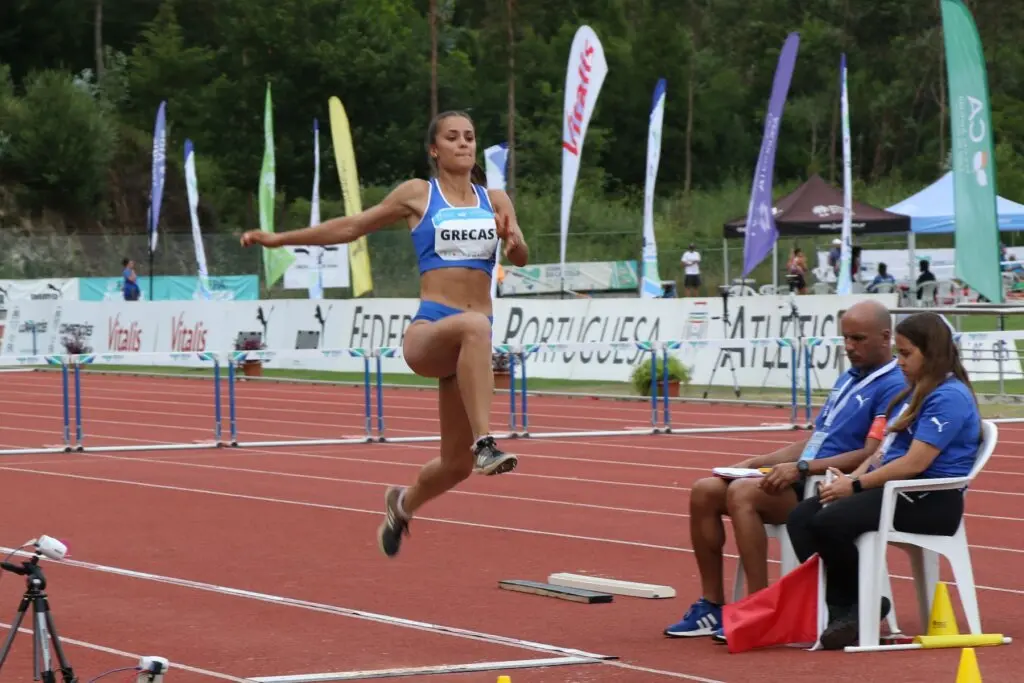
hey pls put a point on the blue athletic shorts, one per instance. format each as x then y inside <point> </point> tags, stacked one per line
<point>432,311</point>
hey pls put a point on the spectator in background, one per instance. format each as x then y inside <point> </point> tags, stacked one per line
<point>796,271</point>
<point>691,271</point>
<point>834,255</point>
<point>926,276</point>
<point>130,287</point>
<point>883,277</point>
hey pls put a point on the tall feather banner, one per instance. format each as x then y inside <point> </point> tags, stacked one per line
<point>845,284</point>
<point>584,77</point>
<point>651,280</point>
<point>496,168</point>
<point>156,190</point>
<point>316,285</point>
<point>974,163</point>
<point>760,233</point>
<point>192,187</point>
<point>275,261</point>
<point>345,159</point>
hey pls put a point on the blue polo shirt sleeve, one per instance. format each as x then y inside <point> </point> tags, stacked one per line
<point>942,417</point>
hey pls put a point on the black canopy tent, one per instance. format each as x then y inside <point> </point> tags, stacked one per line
<point>813,209</point>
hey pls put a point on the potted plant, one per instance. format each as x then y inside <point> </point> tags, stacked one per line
<point>678,375</point>
<point>501,366</point>
<point>75,343</point>
<point>250,368</point>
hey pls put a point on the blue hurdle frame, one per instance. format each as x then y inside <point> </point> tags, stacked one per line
<point>77,361</point>
<point>368,437</point>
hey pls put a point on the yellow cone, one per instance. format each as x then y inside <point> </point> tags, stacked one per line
<point>943,618</point>
<point>968,671</point>
<point>508,679</point>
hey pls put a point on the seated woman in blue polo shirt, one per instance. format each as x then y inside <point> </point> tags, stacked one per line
<point>934,431</point>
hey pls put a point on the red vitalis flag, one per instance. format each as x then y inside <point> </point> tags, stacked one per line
<point>784,613</point>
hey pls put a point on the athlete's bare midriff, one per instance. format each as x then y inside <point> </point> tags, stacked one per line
<point>462,288</point>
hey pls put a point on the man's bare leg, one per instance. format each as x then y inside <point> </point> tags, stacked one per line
<point>750,509</point>
<point>707,534</point>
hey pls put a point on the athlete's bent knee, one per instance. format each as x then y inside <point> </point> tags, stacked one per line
<point>708,494</point>
<point>476,327</point>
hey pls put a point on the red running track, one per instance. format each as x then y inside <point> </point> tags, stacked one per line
<point>299,523</point>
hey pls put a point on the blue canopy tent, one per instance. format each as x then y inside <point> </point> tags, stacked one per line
<point>931,210</point>
<point>931,213</point>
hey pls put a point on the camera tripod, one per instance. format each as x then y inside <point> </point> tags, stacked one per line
<point>43,632</point>
<point>798,326</point>
<point>722,351</point>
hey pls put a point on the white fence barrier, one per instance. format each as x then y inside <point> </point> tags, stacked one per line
<point>188,327</point>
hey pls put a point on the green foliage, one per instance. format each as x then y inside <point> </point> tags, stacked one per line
<point>59,141</point>
<point>79,146</point>
<point>641,377</point>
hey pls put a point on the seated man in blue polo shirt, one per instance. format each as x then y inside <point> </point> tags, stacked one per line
<point>847,431</point>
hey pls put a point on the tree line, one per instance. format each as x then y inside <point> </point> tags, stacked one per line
<point>80,83</point>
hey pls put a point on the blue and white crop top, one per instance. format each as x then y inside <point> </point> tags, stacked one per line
<point>456,237</point>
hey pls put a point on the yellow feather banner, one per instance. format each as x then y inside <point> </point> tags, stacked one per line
<point>345,159</point>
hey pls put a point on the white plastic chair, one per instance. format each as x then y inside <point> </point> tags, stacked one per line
<point>924,551</point>
<point>947,293</point>
<point>927,299</point>
<point>789,562</point>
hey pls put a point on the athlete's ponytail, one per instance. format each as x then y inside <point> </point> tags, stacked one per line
<point>478,176</point>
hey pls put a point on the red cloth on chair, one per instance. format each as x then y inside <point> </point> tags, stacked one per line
<point>784,613</point>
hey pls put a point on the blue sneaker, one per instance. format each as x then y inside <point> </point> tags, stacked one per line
<point>702,619</point>
<point>719,636</point>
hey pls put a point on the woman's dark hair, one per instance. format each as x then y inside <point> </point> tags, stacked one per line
<point>477,175</point>
<point>930,333</point>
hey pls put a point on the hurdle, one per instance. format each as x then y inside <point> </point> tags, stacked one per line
<point>522,358</point>
<point>238,357</point>
<point>36,361</point>
<point>77,361</point>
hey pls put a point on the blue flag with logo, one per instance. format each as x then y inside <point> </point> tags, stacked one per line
<point>761,233</point>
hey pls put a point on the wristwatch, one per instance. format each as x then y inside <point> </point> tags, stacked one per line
<point>857,486</point>
<point>802,466</point>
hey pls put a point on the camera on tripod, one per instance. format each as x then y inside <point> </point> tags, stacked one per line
<point>43,629</point>
<point>44,633</point>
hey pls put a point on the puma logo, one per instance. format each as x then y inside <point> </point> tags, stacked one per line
<point>938,424</point>
<point>860,400</point>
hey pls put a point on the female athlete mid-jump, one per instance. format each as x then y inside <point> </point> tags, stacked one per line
<point>455,225</point>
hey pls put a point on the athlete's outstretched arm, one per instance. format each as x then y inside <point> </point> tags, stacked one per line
<point>400,203</point>
<point>516,250</point>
